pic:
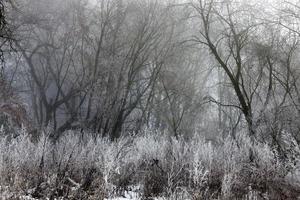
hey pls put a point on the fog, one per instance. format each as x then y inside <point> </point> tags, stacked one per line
<point>149,99</point>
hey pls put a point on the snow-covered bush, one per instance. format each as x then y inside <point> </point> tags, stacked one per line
<point>79,165</point>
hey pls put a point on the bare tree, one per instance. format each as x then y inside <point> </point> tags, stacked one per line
<point>5,34</point>
<point>58,81</point>
<point>134,67</point>
<point>229,38</point>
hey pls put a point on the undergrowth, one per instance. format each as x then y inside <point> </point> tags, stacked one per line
<point>80,166</point>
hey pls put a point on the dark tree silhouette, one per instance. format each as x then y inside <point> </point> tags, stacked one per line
<point>4,31</point>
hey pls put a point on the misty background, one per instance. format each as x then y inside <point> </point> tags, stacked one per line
<point>192,76</point>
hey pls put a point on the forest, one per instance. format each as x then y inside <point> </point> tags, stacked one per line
<point>150,99</point>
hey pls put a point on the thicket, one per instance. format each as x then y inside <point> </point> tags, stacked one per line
<point>80,166</point>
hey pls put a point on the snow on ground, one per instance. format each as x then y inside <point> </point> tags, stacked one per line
<point>133,194</point>
<point>128,195</point>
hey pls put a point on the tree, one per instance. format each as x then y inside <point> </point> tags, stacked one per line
<point>230,38</point>
<point>127,82</point>
<point>49,46</point>
<point>5,34</point>
<point>96,66</point>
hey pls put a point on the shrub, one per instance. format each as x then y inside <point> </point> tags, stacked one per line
<point>80,166</point>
